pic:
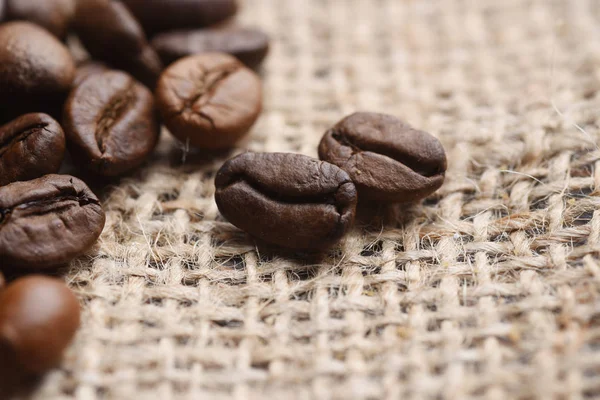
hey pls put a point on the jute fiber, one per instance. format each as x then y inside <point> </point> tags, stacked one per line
<point>490,289</point>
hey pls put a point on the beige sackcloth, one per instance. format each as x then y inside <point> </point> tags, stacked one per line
<point>487,290</point>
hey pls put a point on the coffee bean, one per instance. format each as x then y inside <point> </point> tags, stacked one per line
<point>36,70</point>
<point>388,160</point>
<point>111,34</point>
<point>88,69</point>
<point>249,45</point>
<point>110,123</point>
<point>164,15</point>
<point>46,222</point>
<point>209,100</point>
<point>31,146</point>
<point>39,317</point>
<point>289,200</point>
<point>53,15</point>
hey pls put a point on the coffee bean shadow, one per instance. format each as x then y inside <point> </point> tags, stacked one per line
<point>268,251</point>
<point>99,185</point>
<point>14,382</point>
<point>373,216</point>
<point>12,273</point>
<point>192,159</point>
<point>233,242</point>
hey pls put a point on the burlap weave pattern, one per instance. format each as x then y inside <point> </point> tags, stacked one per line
<point>489,289</point>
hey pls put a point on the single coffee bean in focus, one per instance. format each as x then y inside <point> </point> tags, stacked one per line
<point>249,45</point>
<point>39,317</point>
<point>110,123</point>
<point>54,15</point>
<point>164,15</point>
<point>388,160</point>
<point>111,34</point>
<point>36,70</point>
<point>31,146</point>
<point>289,200</point>
<point>46,222</point>
<point>209,100</point>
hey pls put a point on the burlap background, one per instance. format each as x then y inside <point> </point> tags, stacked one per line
<point>490,289</point>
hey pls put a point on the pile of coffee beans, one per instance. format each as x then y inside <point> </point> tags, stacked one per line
<point>179,63</point>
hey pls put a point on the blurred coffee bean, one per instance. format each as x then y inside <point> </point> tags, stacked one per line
<point>31,146</point>
<point>248,45</point>
<point>88,69</point>
<point>39,317</point>
<point>111,34</point>
<point>110,123</point>
<point>36,70</point>
<point>163,15</point>
<point>388,160</point>
<point>53,15</point>
<point>209,100</point>
<point>290,200</point>
<point>46,222</point>
<point>78,52</point>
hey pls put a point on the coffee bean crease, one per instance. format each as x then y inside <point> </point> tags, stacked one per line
<point>10,141</point>
<point>413,163</point>
<point>67,198</point>
<point>114,111</point>
<point>208,82</point>
<point>327,198</point>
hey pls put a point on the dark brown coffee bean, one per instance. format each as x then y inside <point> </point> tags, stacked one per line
<point>88,69</point>
<point>53,15</point>
<point>387,159</point>
<point>36,70</point>
<point>209,100</point>
<point>31,146</point>
<point>39,317</point>
<point>163,15</point>
<point>249,45</point>
<point>46,222</point>
<point>110,123</point>
<point>111,34</point>
<point>289,200</point>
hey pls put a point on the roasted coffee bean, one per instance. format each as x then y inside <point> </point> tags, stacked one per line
<point>46,222</point>
<point>209,100</point>
<point>36,70</point>
<point>249,45</point>
<point>289,200</point>
<point>110,123</point>
<point>163,15</point>
<point>88,69</point>
<point>31,146</point>
<point>388,160</point>
<point>53,15</point>
<point>39,317</point>
<point>111,34</point>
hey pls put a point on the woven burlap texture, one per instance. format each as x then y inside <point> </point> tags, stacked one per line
<point>487,290</point>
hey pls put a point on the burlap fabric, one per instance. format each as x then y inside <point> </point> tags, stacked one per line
<point>489,289</point>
